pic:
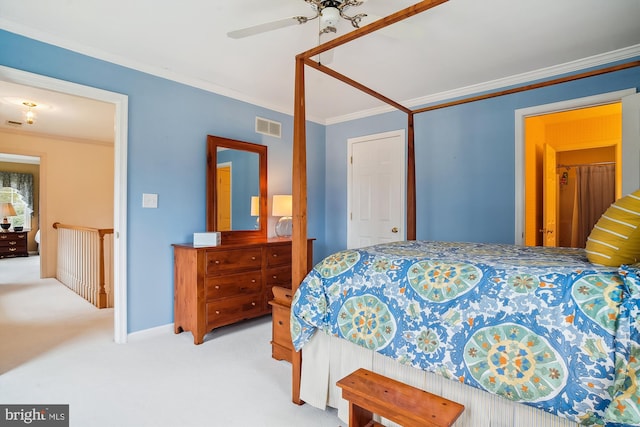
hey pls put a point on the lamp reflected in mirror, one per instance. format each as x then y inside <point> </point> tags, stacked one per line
<point>282,207</point>
<point>6,210</point>
<point>255,210</point>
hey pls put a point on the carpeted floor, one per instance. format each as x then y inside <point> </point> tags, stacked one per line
<point>58,349</point>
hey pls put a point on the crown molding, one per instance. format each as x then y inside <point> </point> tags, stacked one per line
<point>541,74</point>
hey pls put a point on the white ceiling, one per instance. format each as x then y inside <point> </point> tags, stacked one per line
<point>468,44</point>
<point>56,114</point>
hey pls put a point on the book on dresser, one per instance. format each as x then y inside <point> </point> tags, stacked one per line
<point>220,285</point>
<point>13,244</point>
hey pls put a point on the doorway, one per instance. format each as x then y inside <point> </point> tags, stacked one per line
<point>120,104</point>
<point>560,150</point>
<point>23,188</point>
<point>628,162</point>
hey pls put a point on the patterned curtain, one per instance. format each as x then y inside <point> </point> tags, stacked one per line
<point>23,182</point>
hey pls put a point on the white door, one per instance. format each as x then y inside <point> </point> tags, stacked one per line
<point>376,189</point>
<point>550,197</point>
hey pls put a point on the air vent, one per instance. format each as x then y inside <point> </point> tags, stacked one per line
<point>268,127</point>
<point>14,123</point>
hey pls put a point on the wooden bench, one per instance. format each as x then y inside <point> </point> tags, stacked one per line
<point>369,393</point>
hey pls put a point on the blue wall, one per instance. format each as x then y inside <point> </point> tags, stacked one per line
<point>465,162</point>
<point>168,126</point>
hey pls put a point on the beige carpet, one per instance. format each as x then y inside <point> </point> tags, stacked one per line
<point>56,348</point>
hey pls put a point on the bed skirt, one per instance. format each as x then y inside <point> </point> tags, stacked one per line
<point>327,359</point>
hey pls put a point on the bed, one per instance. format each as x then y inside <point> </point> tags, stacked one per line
<point>533,325</point>
<point>587,381</point>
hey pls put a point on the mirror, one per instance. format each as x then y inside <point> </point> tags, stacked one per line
<point>236,189</point>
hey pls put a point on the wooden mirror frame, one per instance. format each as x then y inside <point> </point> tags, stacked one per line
<point>235,236</point>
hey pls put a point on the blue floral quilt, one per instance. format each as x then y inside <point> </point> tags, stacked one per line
<point>540,326</point>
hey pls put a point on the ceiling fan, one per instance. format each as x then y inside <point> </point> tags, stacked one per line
<point>329,13</point>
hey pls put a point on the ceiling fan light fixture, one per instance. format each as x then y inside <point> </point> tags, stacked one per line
<point>329,16</point>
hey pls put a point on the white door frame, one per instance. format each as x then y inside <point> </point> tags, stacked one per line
<point>403,191</point>
<point>522,114</point>
<point>121,103</point>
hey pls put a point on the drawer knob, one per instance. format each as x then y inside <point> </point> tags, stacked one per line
<point>217,261</point>
<point>13,249</point>
<point>13,242</point>
<point>280,322</point>
<point>217,312</point>
<point>253,258</point>
<point>217,287</point>
<point>253,304</point>
<point>253,280</point>
<point>275,255</point>
<point>275,277</point>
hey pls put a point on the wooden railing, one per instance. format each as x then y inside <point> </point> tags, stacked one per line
<point>85,262</point>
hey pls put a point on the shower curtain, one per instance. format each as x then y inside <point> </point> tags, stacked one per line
<point>595,191</point>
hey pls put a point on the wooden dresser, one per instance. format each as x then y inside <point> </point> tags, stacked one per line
<point>219,285</point>
<point>14,244</point>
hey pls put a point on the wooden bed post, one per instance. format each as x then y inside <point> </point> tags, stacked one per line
<point>299,200</point>
<point>411,180</point>
<point>299,182</point>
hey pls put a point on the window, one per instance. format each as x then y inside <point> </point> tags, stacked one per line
<point>17,188</point>
<point>23,212</point>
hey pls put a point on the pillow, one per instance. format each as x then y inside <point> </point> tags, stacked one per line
<point>615,239</point>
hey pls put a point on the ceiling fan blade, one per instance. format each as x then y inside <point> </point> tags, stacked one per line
<point>263,28</point>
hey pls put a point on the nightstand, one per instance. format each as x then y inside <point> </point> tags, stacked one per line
<point>281,344</point>
<point>13,244</point>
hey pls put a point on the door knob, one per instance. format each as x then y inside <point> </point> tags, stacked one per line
<point>394,230</point>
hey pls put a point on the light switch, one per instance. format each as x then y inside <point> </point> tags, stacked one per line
<point>149,200</point>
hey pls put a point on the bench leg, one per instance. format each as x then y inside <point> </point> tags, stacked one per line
<point>359,417</point>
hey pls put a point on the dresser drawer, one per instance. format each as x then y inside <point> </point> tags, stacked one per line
<point>278,255</point>
<point>231,285</point>
<point>231,310</point>
<point>13,237</point>
<point>13,243</point>
<point>8,250</point>
<point>279,276</point>
<point>219,262</point>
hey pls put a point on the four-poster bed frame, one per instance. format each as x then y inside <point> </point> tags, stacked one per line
<point>299,181</point>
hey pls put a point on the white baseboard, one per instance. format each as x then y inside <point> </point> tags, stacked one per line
<point>151,332</point>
